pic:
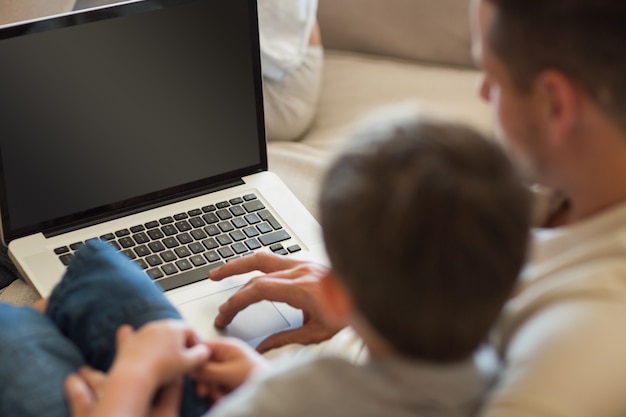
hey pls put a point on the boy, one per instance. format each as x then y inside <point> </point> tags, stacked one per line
<point>425,225</point>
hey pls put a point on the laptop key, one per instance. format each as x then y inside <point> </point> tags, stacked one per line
<point>212,256</point>
<point>183,226</point>
<point>182,252</point>
<point>170,242</point>
<point>155,273</point>
<point>137,229</point>
<point>156,246</point>
<point>184,238</point>
<point>168,256</point>
<point>166,220</point>
<point>239,248</point>
<point>236,200</point>
<point>196,222</point>
<point>141,263</point>
<point>210,218</point>
<point>194,212</point>
<point>65,259</point>
<point>254,205</point>
<point>196,247</point>
<point>225,252</point>
<point>249,197</point>
<point>169,230</point>
<point>274,237</point>
<point>237,211</point>
<point>222,204</point>
<point>253,244</point>
<point>122,232</point>
<point>224,214</point>
<point>208,209</point>
<point>184,264</point>
<point>107,236</point>
<point>155,234</point>
<point>294,248</point>
<point>264,228</point>
<point>180,216</point>
<point>226,226</point>
<point>76,246</point>
<point>61,250</point>
<point>169,269</point>
<point>198,260</point>
<point>187,277</point>
<point>154,260</point>
<point>198,234</point>
<point>152,225</point>
<point>142,251</point>
<point>126,242</point>
<point>129,253</point>
<point>210,243</point>
<point>238,222</point>
<point>141,238</point>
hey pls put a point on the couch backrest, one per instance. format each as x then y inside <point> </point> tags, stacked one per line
<point>17,10</point>
<point>424,30</point>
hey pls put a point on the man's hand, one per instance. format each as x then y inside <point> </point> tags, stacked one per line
<point>294,282</point>
<point>229,365</point>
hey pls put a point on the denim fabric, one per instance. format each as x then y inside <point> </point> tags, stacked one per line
<point>100,291</point>
<point>8,272</point>
<point>35,359</point>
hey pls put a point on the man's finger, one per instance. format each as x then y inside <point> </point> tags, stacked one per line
<point>79,396</point>
<point>301,335</point>
<point>264,262</point>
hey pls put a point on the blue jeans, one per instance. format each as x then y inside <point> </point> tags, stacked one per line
<point>100,291</point>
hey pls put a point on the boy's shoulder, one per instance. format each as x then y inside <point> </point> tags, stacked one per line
<point>336,387</point>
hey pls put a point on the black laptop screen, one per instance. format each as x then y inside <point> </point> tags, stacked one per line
<point>118,107</point>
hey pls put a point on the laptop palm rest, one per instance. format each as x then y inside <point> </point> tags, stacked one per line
<point>253,324</point>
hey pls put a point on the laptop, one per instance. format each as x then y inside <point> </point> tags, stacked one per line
<point>142,124</point>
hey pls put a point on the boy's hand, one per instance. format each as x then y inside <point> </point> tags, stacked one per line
<point>153,358</point>
<point>162,350</point>
<point>229,365</point>
<point>291,281</point>
<point>84,391</point>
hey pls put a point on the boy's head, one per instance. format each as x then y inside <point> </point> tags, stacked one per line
<point>426,225</point>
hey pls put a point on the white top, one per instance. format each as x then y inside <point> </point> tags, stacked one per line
<point>284,30</point>
<point>563,334</point>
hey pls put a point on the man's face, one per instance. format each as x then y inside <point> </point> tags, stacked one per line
<point>517,122</point>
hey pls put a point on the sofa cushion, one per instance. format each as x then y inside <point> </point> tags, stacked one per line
<point>424,30</point>
<point>357,84</point>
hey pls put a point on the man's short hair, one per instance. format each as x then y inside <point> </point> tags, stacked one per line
<point>426,223</point>
<point>582,38</point>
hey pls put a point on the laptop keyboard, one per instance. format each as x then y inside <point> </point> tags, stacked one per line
<point>183,248</point>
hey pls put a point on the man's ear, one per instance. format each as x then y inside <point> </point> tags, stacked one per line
<point>560,104</point>
<point>338,303</point>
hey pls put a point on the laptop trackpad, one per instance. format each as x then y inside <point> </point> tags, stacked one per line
<point>252,324</point>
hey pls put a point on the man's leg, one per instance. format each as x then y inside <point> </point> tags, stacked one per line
<point>101,290</point>
<point>35,359</point>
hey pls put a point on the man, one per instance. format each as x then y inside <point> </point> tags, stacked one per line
<point>554,75</point>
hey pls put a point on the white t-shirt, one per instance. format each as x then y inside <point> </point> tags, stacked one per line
<point>563,334</point>
<point>284,30</point>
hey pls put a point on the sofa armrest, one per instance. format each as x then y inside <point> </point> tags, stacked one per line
<point>435,31</point>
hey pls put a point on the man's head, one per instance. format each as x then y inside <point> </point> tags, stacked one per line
<point>551,67</point>
<point>425,224</point>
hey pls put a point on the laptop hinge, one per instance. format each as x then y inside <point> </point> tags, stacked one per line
<point>80,224</point>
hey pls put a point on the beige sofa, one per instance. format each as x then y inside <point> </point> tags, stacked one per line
<point>378,52</point>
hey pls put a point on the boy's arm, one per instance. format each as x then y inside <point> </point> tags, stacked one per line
<point>156,356</point>
<point>230,364</point>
